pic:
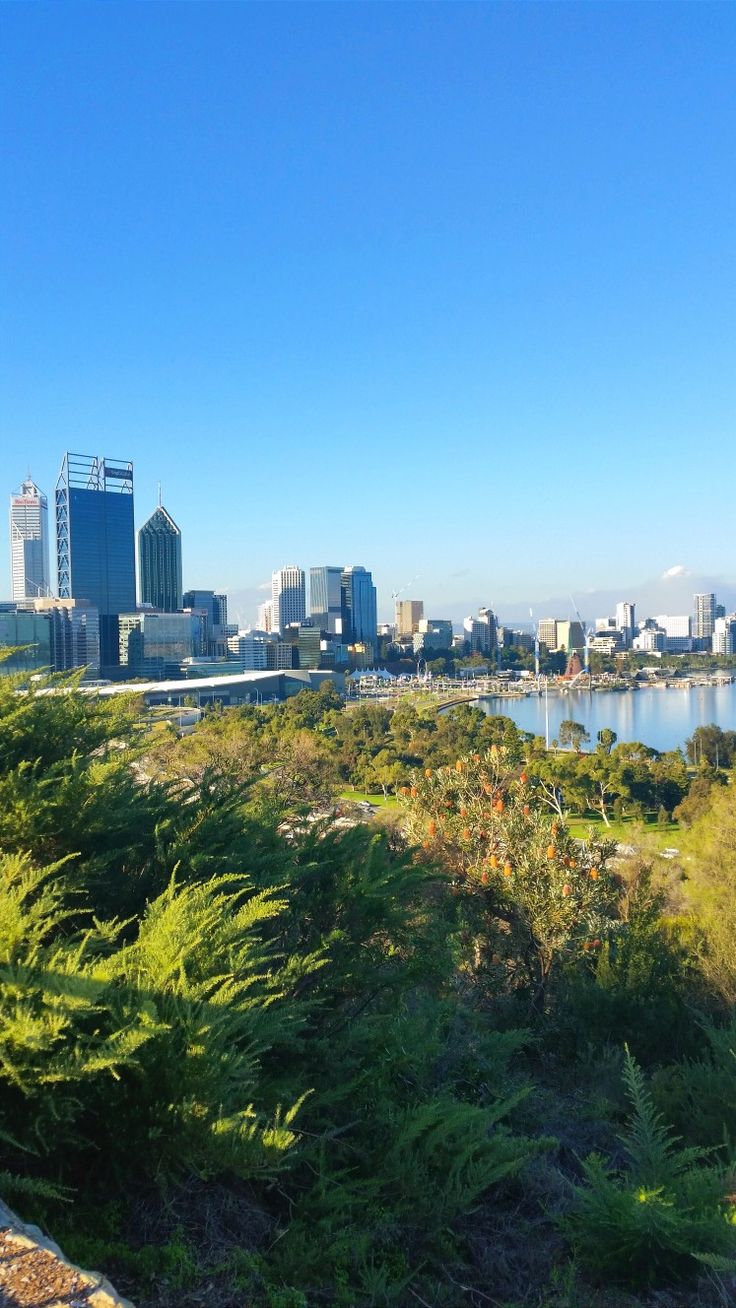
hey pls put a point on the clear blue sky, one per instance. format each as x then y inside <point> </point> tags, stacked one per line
<point>443,289</point>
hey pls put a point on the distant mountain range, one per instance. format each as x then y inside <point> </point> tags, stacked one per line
<point>671,593</point>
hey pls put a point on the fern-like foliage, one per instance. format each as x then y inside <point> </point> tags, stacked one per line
<point>664,1214</point>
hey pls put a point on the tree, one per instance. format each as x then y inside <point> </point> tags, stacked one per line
<point>530,896</point>
<point>713,746</point>
<point>606,739</point>
<point>573,733</point>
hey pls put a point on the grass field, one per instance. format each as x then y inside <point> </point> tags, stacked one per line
<point>362,796</point>
<point>647,834</point>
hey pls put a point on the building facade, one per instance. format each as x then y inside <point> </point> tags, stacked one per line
<point>59,635</point>
<point>156,644</point>
<point>360,614</point>
<point>95,541</point>
<point>29,543</point>
<point>325,599</point>
<point>433,633</point>
<point>705,616</point>
<point>547,632</point>
<point>28,635</point>
<point>75,634</point>
<point>217,631</point>
<point>409,614</point>
<point>288,597</point>
<point>626,622</point>
<point>159,562</point>
<point>723,640</point>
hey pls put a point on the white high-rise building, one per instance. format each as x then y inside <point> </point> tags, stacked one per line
<point>705,615</point>
<point>626,621</point>
<point>264,621</point>
<point>29,543</point>
<point>723,640</point>
<point>288,596</point>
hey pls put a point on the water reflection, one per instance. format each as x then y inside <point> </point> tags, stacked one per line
<point>657,716</point>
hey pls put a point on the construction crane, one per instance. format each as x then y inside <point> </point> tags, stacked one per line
<point>536,646</point>
<point>586,635</point>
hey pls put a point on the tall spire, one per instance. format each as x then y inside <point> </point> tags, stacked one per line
<point>159,494</point>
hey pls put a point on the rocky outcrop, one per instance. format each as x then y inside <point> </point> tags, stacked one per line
<point>35,1274</point>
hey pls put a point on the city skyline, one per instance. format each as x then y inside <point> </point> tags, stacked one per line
<point>676,589</point>
<point>391,261</point>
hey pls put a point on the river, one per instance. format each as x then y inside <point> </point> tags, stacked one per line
<point>660,717</point>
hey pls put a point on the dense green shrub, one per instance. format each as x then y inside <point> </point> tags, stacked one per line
<point>662,1215</point>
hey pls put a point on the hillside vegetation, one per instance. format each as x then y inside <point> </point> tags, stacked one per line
<point>253,1055</point>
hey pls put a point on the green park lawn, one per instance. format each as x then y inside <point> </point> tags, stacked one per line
<point>628,831</point>
<point>360,796</point>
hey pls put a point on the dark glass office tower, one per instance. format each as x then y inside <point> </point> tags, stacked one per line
<point>325,599</point>
<point>95,541</point>
<point>359,607</point>
<point>159,562</point>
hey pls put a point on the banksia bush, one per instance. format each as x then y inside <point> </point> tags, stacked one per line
<point>532,895</point>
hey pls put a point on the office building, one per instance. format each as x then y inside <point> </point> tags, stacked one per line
<point>95,541</point>
<point>248,649</point>
<point>570,636</point>
<point>606,642</point>
<point>60,635</point>
<point>705,616</point>
<point>325,599</point>
<point>159,562</point>
<point>75,633</point>
<point>264,620</point>
<point>360,618</point>
<point>547,632</point>
<point>29,542</point>
<point>723,640</point>
<point>678,632</point>
<point>28,635</point>
<point>288,597</point>
<point>651,640</point>
<point>481,633</point>
<point>155,644</point>
<point>626,622</point>
<point>214,607</point>
<point>409,614</point>
<point>433,633</point>
<point>306,641</point>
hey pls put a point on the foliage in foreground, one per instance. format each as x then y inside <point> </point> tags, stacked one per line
<point>343,1045</point>
<point>669,1210</point>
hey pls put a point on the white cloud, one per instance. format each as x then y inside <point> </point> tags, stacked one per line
<point>679,570</point>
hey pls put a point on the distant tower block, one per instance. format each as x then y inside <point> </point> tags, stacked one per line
<point>29,543</point>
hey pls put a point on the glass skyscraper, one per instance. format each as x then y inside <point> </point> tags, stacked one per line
<point>29,542</point>
<point>325,599</point>
<point>360,622</point>
<point>159,562</point>
<point>95,540</point>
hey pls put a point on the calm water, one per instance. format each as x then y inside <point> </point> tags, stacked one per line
<point>660,718</point>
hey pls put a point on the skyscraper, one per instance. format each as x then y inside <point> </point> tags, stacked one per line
<point>626,621</point>
<point>95,540</point>
<point>360,624</point>
<point>705,616</point>
<point>159,562</point>
<point>325,599</point>
<point>29,542</point>
<point>288,595</point>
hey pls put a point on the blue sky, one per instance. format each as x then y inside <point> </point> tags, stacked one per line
<point>447,290</point>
